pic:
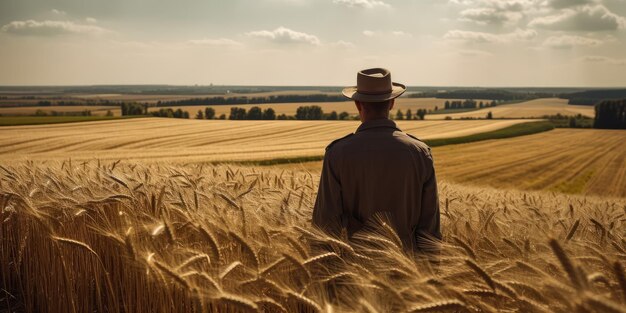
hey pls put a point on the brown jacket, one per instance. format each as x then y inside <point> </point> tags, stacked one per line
<point>379,169</point>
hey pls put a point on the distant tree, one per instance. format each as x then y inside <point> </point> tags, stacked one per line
<point>481,105</point>
<point>399,115</point>
<point>200,115</point>
<point>209,113</point>
<point>436,108</point>
<point>313,112</point>
<point>421,113</point>
<point>40,112</point>
<point>222,116</point>
<point>178,113</point>
<point>185,115</point>
<point>255,113</point>
<point>332,116</point>
<point>132,109</point>
<point>409,114</point>
<point>447,105</point>
<point>282,117</point>
<point>109,113</point>
<point>237,113</point>
<point>610,114</point>
<point>343,115</point>
<point>572,122</point>
<point>269,114</point>
<point>489,115</point>
<point>493,103</point>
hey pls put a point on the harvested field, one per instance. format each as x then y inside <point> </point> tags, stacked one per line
<point>201,140</point>
<point>529,109</point>
<point>569,160</point>
<point>117,237</point>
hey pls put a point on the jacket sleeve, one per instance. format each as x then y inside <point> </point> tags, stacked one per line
<point>327,210</point>
<point>428,227</point>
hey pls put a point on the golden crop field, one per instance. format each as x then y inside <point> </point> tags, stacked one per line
<point>168,139</point>
<point>403,104</point>
<point>95,109</point>
<point>118,237</point>
<point>578,161</point>
<point>570,160</point>
<point>529,109</point>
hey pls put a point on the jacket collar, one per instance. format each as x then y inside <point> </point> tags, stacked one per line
<point>377,124</point>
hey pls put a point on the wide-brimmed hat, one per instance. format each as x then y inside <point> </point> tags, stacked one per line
<point>374,85</point>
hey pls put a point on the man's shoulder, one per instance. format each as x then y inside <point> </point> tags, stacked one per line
<point>420,144</point>
<point>338,140</point>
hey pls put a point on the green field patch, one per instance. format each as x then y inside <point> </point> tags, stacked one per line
<point>576,185</point>
<point>40,120</point>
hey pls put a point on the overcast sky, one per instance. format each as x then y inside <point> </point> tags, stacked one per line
<point>313,42</point>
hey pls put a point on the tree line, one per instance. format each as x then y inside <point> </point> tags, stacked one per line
<point>254,100</point>
<point>408,115</point>
<point>468,104</point>
<point>610,114</point>
<point>313,112</point>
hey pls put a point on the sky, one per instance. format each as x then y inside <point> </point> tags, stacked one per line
<point>488,43</point>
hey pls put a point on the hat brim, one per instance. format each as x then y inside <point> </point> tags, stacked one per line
<point>352,93</point>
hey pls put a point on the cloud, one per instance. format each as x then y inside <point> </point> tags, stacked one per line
<point>568,42</point>
<point>58,12</point>
<point>393,33</point>
<point>481,37</point>
<point>603,60</point>
<point>364,4</point>
<point>51,28</point>
<point>221,42</point>
<point>91,20</point>
<point>587,18</point>
<point>490,16</point>
<point>561,4</point>
<point>282,35</point>
<point>343,44</point>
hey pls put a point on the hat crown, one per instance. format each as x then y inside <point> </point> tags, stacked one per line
<point>374,81</point>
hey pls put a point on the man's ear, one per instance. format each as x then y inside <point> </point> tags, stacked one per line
<point>358,105</point>
<point>391,103</point>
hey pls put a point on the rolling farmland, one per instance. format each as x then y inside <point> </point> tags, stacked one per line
<point>200,140</point>
<point>528,109</point>
<point>570,160</point>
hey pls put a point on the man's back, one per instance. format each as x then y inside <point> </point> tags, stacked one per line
<point>379,169</point>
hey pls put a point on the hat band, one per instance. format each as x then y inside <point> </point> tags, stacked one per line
<point>373,93</point>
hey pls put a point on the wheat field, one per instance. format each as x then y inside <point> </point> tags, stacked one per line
<point>589,161</point>
<point>167,139</point>
<point>120,237</point>
<point>528,109</point>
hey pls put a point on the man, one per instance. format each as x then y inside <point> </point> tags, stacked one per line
<point>379,169</point>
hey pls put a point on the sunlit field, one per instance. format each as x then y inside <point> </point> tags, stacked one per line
<point>178,140</point>
<point>120,236</point>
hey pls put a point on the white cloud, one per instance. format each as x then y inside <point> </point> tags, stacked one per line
<point>586,18</point>
<point>561,4</point>
<point>58,12</point>
<point>343,44</point>
<point>220,42</point>
<point>568,42</point>
<point>490,16</point>
<point>603,60</point>
<point>284,35</point>
<point>365,4</point>
<point>51,28</point>
<point>91,20</point>
<point>481,37</point>
<point>393,33</point>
